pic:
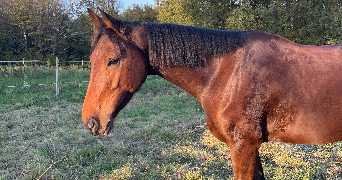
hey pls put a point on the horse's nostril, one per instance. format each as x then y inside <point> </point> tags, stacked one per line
<point>109,127</point>
<point>93,126</point>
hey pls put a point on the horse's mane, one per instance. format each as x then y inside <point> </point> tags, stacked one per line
<point>188,46</point>
<point>179,45</point>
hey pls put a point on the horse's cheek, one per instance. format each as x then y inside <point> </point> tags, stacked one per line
<point>133,83</point>
<point>135,77</point>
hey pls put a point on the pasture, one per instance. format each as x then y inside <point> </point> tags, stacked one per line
<point>161,134</point>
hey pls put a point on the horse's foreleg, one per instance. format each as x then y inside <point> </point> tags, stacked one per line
<point>246,161</point>
<point>244,147</point>
<point>258,171</point>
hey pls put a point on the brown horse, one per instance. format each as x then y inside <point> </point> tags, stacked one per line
<point>253,86</point>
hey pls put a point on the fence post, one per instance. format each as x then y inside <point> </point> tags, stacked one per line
<point>24,64</point>
<point>57,89</point>
<point>11,68</point>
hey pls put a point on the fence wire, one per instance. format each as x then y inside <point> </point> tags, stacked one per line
<point>11,65</point>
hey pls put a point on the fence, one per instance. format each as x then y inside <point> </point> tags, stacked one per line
<point>39,61</point>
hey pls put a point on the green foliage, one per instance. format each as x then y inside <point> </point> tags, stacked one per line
<point>306,22</point>
<point>112,7</point>
<point>48,28</point>
<point>316,22</point>
<point>35,28</point>
<point>44,28</point>
<point>210,14</point>
<point>5,48</point>
<point>245,18</point>
<point>140,13</point>
<point>172,11</point>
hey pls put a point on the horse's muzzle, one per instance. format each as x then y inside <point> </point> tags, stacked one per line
<point>93,127</point>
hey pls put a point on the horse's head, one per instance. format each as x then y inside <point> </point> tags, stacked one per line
<point>119,67</point>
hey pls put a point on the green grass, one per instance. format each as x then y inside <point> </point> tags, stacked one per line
<point>160,134</point>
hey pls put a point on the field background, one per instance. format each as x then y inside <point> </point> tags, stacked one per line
<point>160,134</point>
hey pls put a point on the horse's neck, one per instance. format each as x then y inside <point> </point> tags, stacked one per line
<point>192,80</point>
<point>201,82</point>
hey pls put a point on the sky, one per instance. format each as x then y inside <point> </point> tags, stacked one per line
<point>127,3</point>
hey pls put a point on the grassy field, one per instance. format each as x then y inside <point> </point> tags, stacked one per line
<point>161,134</point>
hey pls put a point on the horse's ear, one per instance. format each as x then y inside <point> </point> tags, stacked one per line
<point>116,25</point>
<point>96,19</point>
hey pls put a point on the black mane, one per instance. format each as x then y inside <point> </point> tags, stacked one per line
<point>189,46</point>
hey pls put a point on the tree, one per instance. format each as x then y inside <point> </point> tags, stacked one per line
<point>140,13</point>
<point>111,7</point>
<point>81,27</point>
<point>40,29</point>
<point>172,11</point>
<point>314,22</point>
<point>210,14</point>
<point>6,52</point>
<point>80,41</point>
<point>36,28</point>
<point>248,16</point>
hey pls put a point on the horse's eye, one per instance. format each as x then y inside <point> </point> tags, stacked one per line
<point>113,61</point>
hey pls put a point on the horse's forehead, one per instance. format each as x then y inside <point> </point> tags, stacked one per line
<point>105,46</point>
<point>105,41</point>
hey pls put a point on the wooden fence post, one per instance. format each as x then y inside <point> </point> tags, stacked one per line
<point>24,64</point>
<point>11,68</point>
<point>57,89</point>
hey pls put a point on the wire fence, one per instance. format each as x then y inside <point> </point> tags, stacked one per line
<point>23,64</point>
<point>27,61</point>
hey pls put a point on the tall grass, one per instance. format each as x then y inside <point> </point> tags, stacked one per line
<point>160,134</point>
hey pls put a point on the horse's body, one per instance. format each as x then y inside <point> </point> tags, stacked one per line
<point>262,88</point>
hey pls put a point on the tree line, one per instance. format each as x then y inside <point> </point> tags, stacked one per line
<point>43,29</point>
